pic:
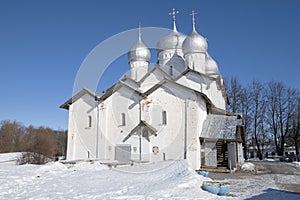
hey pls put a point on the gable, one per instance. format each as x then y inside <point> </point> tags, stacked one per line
<point>177,64</point>
<point>153,78</point>
<point>84,91</point>
<point>177,88</point>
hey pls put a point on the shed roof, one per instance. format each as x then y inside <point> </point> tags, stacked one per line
<point>220,127</point>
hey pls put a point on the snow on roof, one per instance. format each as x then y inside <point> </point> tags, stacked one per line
<point>220,127</point>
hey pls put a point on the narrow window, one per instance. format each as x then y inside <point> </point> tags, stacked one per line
<point>164,117</point>
<point>89,121</point>
<point>171,70</point>
<point>208,108</point>
<point>123,120</point>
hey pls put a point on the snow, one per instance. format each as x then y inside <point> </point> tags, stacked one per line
<point>248,167</point>
<point>162,180</point>
<point>169,179</point>
<point>263,160</point>
<point>8,157</point>
<point>296,164</point>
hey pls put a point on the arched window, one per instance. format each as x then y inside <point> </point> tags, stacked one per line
<point>123,119</point>
<point>89,121</point>
<point>164,117</point>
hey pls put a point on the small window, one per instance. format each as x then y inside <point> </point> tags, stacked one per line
<point>123,119</point>
<point>208,108</point>
<point>164,117</point>
<point>171,70</point>
<point>89,121</point>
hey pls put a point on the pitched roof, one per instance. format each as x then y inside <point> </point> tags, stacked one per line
<point>164,81</point>
<point>155,67</point>
<point>115,88</point>
<point>218,80</point>
<point>189,70</point>
<point>82,92</point>
<point>146,128</point>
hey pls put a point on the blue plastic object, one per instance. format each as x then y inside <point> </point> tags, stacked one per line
<point>218,188</point>
<point>203,173</point>
<point>224,189</point>
<point>212,187</point>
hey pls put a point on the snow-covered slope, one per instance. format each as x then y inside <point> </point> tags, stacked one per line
<point>163,180</point>
<point>170,179</point>
<point>9,157</point>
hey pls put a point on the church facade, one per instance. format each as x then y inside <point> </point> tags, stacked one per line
<point>174,110</point>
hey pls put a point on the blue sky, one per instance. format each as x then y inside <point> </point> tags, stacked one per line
<point>43,43</point>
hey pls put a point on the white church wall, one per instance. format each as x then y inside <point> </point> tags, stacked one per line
<point>196,61</point>
<point>124,101</point>
<point>192,81</point>
<point>214,93</point>
<point>205,85</point>
<point>195,118</point>
<point>151,80</point>
<point>174,66</point>
<point>169,139</point>
<point>171,136</point>
<point>240,153</point>
<point>82,129</point>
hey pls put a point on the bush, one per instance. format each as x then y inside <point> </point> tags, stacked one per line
<point>32,158</point>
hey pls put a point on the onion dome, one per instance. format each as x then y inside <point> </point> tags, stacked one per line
<point>211,66</point>
<point>194,43</point>
<point>139,51</point>
<point>172,41</point>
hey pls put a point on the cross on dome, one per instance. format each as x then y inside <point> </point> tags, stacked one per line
<point>193,19</point>
<point>173,13</point>
<point>140,30</point>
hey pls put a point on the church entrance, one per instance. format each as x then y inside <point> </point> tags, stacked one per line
<point>123,152</point>
<point>222,154</point>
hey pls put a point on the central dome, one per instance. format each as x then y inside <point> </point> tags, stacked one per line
<point>172,41</point>
<point>194,43</point>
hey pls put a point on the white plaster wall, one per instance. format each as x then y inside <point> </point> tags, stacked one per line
<point>195,119</point>
<point>122,101</point>
<point>81,137</point>
<point>192,81</point>
<point>196,61</point>
<point>240,154</point>
<point>170,137</point>
<point>151,80</point>
<point>214,93</point>
<point>138,69</point>
<point>232,155</point>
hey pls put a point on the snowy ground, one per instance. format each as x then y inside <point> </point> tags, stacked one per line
<point>164,180</point>
<point>296,164</point>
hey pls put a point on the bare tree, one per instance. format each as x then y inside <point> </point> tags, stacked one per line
<point>234,95</point>
<point>245,105</point>
<point>293,136</point>
<point>11,136</point>
<point>257,92</point>
<point>281,107</point>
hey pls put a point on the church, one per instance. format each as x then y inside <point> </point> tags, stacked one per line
<point>175,109</point>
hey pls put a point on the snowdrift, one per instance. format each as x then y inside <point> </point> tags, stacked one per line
<point>169,179</point>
